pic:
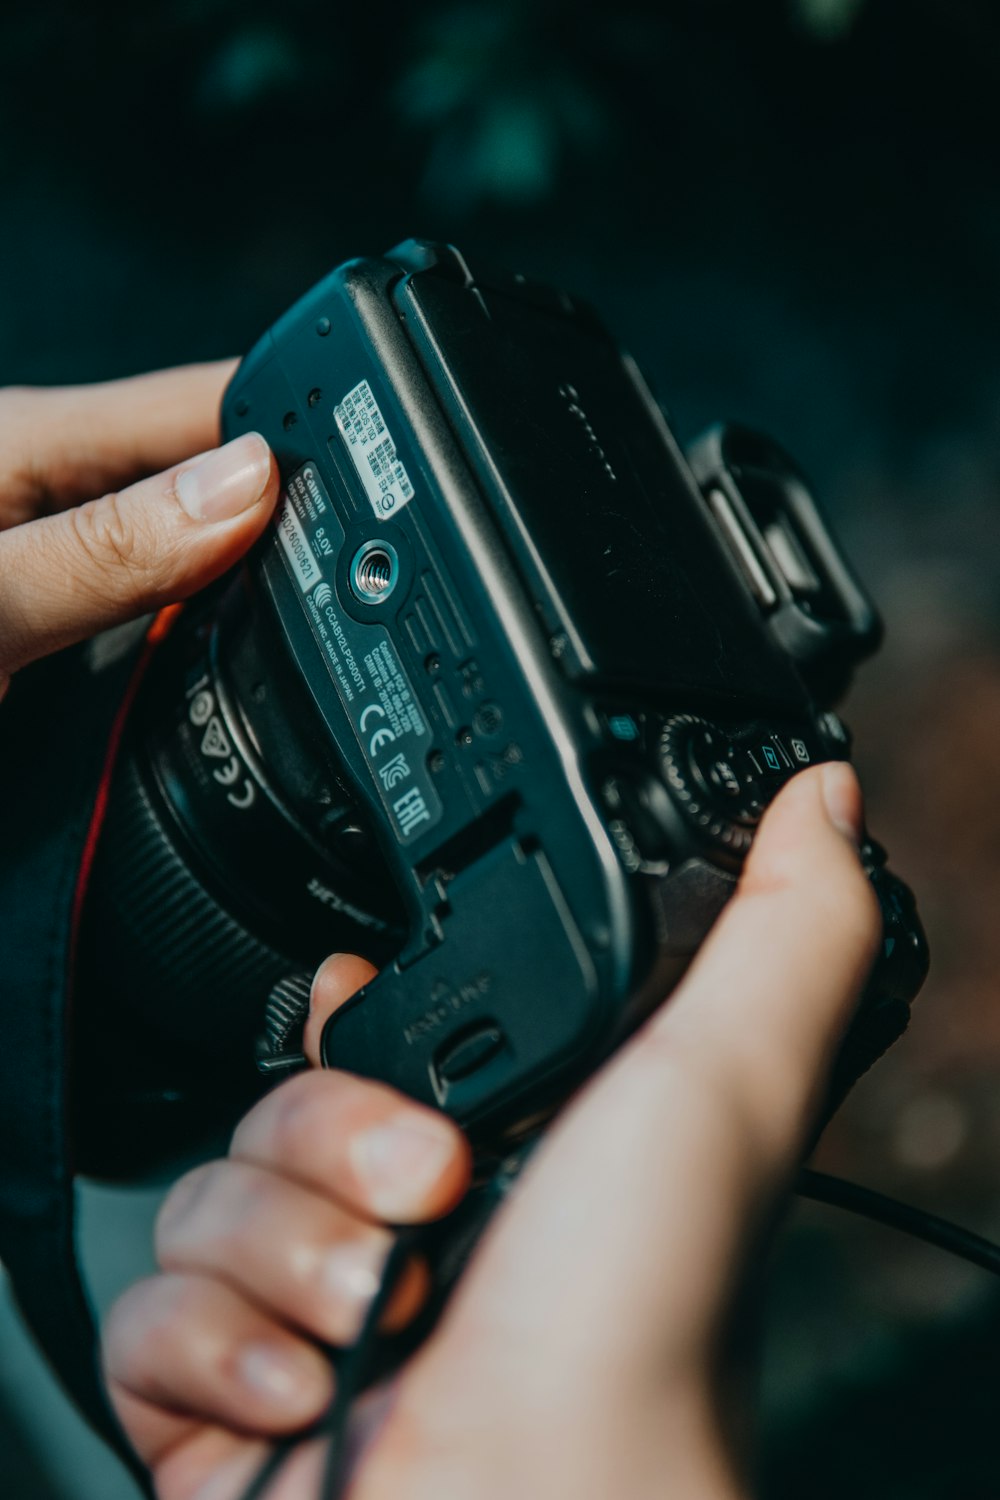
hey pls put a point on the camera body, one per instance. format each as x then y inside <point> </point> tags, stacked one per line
<point>498,702</point>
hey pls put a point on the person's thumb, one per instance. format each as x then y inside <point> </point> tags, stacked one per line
<point>68,576</point>
<point>629,1229</point>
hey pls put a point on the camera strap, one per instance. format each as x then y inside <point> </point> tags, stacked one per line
<point>59,730</point>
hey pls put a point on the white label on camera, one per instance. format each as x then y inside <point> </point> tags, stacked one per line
<point>370,678</point>
<point>297,549</point>
<point>370,444</point>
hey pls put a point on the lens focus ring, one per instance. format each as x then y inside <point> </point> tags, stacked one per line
<point>201,976</point>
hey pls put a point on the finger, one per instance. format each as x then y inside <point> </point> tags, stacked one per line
<point>65,577</point>
<point>359,1143</point>
<point>335,981</point>
<point>665,1163</point>
<point>65,444</point>
<point>293,1253</point>
<point>218,1467</point>
<point>193,1460</point>
<point>212,1464</point>
<point>194,1347</point>
<point>155,1431</point>
<point>771,992</point>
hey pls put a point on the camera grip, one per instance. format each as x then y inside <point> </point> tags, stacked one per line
<point>899,970</point>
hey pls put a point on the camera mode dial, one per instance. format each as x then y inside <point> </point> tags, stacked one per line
<point>713,780</point>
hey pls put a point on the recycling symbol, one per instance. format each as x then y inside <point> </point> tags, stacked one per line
<point>215,741</point>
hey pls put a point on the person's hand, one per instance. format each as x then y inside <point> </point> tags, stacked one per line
<point>578,1356</point>
<point>72,564</point>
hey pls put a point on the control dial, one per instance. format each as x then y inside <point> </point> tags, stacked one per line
<point>714,781</point>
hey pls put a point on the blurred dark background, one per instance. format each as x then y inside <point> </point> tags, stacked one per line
<point>789,211</point>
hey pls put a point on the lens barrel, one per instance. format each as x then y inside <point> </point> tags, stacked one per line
<point>231,857</point>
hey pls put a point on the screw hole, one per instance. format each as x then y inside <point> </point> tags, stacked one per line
<point>374,572</point>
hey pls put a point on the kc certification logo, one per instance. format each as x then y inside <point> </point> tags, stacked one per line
<point>394,772</point>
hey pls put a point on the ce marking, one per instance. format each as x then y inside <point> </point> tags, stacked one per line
<point>382,736</point>
<point>216,745</point>
<point>228,774</point>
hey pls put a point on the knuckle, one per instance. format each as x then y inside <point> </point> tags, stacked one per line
<point>229,1208</point>
<point>106,533</point>
<point>142,1327</point>
<point>119,1321</point>
<point>113,545</point>
<point>307,1113</point>
<point>183,1202</point>
<point>244,1200</point>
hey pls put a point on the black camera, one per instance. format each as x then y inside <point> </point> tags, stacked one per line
<point>498,703</point>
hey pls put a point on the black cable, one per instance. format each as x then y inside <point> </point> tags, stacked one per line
<point>822,1188</point>
<point>352,1370</point>
<point>275,1460</point>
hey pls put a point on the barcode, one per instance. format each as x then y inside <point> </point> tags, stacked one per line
<point>369,442</point>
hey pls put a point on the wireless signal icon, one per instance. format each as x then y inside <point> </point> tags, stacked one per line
<point>323,595</point>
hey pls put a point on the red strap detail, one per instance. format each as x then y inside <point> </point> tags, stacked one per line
<point>163,623</point>
<point>157,632</point>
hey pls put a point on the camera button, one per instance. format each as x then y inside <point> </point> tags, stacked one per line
<point>640,819</point>
<point>835,732</point>
<point>623,727</point>
<point>721,775</point>
<point>769,758</point>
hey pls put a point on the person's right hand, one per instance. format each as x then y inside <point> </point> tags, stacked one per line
<point>171,511</point>
<point>579,1355</point>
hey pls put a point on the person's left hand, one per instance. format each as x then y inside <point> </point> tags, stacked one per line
<point>72,565</point>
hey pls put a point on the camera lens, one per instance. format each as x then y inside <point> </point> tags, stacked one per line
<point>231,855</point>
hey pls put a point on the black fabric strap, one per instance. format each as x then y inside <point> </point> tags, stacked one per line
<point>54,730</point>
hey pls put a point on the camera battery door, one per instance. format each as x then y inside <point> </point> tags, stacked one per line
<point>491,1024</point>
